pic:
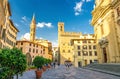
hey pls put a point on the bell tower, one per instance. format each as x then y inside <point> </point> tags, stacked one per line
<point>32,29</point>
<point>60,27</point>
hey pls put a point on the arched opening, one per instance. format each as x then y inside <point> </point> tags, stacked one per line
<point>29,59</point>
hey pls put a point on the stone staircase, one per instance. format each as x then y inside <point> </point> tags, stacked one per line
<point>111,67</point>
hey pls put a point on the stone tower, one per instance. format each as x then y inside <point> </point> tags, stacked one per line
<point>32,29</point>
<point>60,27</point>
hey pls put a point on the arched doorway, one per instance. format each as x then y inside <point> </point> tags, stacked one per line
<point>104,55</point>
<point>29,59</point>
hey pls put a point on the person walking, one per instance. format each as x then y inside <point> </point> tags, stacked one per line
<point>54,64</point>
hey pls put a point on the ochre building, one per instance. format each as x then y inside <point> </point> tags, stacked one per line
<point>84,50</point>
<point>35,47</point>
<point>8,32</point>
<point>66,49</point>
<point>106,23</point>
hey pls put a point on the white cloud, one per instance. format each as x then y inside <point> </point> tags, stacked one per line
<point>39,37</point>
<point>89,21</point>
<point>94,6</point>
<point>43,24</point>
<point>16,24</point>
<point>88,0</point>
<point>26,36</point>
<point>76,13</point>
<point>24,18</point>
<point>78,7</point>
<point>55,43</point>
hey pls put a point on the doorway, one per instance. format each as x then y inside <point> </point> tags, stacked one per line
<point>79,64</point>
<point>85,62</point>
<point>104,55</point>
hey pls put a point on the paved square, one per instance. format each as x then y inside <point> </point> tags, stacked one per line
<point>61,72</point>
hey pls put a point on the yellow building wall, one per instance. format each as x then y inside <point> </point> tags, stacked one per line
<point>105,26</point>
<point>8,32</point>
<point>64,43</point>
<point>84,59</point>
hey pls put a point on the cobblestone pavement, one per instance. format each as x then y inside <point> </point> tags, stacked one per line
<point>62,72</point>
<point>27,75</point>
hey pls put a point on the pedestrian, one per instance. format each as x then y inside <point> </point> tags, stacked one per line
<point>58,64</point>
<point>54,64</point>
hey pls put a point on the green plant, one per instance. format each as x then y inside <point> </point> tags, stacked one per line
<point>32,67</point>
<point>38,62</point>
<point>13,60</point>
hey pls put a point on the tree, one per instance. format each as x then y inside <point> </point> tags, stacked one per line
<point>13,60</point>
<point>38,62</point>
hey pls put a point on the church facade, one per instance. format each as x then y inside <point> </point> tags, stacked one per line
<point>106,23</point>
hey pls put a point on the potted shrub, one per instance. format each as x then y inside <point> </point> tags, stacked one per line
<point>45,64</point>
<point>49,61</point>
<point>38,62</point>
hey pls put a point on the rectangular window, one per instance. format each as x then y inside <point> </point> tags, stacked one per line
<point>95,52</point>
<point>78,47</point>
<point>41,51</point>
<point>33,50</point>
<point>34,45</point>
<point>90,61</point>
<point>90,53</point>
<point>79,64</point>
<point>89,46</point>
<point>29,49</point>
<point>36,50</point>
<point>85,47</point>
<point>79,53</point>
<point>94,47</point>
<point>30,44</point>
<point>85,53</point>
<point>21,43</point>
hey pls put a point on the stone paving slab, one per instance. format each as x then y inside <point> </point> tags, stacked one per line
<point>27,75</point>
<point>75,73</point>
<point>61,72</point>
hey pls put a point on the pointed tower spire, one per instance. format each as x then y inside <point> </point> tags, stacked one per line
<point>33,18</point>
<point>33,28</point>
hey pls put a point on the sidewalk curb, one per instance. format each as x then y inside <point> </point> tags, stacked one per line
<point>103,71</point>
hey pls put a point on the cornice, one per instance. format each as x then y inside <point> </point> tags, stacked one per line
<point>99,12</point>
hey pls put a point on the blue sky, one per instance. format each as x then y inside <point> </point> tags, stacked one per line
<point>76,14</point>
